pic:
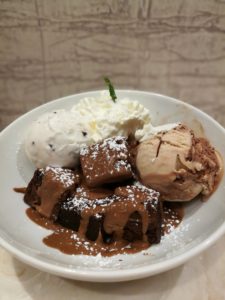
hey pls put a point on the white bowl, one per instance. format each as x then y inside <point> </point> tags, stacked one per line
<point>203,223</point>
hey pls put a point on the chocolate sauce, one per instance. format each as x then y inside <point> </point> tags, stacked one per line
<point>21,190</point>
<point>72,242</point>
<point>173,213</point>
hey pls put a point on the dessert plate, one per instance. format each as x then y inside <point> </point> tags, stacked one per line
<point>203,223</point>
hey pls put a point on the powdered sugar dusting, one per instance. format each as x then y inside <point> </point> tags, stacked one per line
<point>80,203</point>
<point>171,218</point>
<point>106,161</point>
<point>64,176</point>
<point>152,195</point>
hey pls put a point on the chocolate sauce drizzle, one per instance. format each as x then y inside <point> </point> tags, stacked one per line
<point>71,242</point>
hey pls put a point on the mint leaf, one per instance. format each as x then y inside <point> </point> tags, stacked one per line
<point>111,89</point>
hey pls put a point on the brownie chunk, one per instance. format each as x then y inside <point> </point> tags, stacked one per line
<point>31,197</point>
<point>106,162</point>
<point>94,227</point>
<point>78,212</point>
<point>133,228</point>
<point>68,216</point>
<point>48,188</point>
<point>154,231</point>
<point>145,221</point>
<point>130,213</point>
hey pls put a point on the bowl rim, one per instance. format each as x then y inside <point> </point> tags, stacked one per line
<point>108,275</point>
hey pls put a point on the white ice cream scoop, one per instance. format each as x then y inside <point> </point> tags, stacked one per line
<point>56,138</point>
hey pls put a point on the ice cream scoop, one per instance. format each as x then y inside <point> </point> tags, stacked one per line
<point>178,165</point>
<point>56,138</point>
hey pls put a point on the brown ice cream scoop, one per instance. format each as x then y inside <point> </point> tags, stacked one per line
<point>178,165</point>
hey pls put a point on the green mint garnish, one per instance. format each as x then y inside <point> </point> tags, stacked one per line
<point>111,89</point>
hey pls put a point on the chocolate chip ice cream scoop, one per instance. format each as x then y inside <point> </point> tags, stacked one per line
<point>179,165</point>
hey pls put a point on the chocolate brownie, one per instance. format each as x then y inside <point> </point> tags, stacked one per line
<point>131,213</point>
<point>106,162</point>
<point>147,215</point>
<point>78,211</point>
<point>48,187</point>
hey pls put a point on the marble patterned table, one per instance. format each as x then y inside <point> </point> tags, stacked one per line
<point>50,49</point>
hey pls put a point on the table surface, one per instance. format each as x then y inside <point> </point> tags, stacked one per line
<point>50,49</point>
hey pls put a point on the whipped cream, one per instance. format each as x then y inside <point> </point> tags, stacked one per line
<point>106,118</point>
<point>149,130</point>
<point>56,138</point>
